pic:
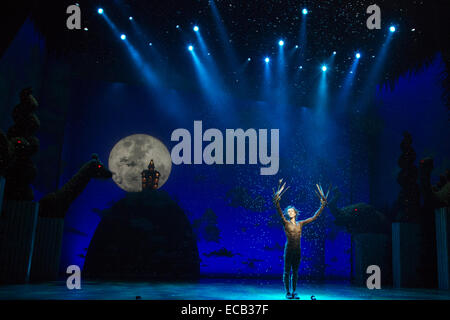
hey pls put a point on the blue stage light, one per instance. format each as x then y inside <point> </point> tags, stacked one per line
<point>281,43</point>
<point>358,55</point>
<point>100,11</point>
<point>196,28</point>
<point>150,44</point>
<point>190,48</point>
<point>392,29</point>
<point>324,68</point>
<point>267,60</point>
<point>296,46</point>
<point>305,11</point>
<point>334,52</point>
<point>249,59</point>
<point>123,37</point>
<point>130,18</point>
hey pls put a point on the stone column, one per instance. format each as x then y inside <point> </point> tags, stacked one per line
<point>370,249</point>
<point>17,229</point>
<point>47,249</point>
<point>2,192</point>
<point>406,250</point>
<point>443,246</point>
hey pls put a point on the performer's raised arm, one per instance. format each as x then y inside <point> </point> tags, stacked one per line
<point>323,203</point>
<point>315,216</point>
<point>277,197</point>
<point>280,212</point>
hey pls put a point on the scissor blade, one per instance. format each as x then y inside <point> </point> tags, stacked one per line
<point>318,195</point>
<point>328,192</point>
<point>284,191</point>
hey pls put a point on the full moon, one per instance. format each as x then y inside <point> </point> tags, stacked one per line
<point>131,155</point>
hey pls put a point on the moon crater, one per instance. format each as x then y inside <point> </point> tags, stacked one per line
<point>131,155</point>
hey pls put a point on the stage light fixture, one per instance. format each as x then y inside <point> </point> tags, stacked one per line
<point>324,68</point>
<point>392,29</point>
<point>190,48</point>
<point>267,60</point>
<point>305,11</point>
<point>123,37</point>
<point>281,43</point>
<point>100,11</point>
<point>196,28</point>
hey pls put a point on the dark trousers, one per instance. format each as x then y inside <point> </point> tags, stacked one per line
<point>292,257</point>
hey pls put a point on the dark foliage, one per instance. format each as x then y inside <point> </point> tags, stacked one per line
<point>409,195</point>
<point>20,138</point>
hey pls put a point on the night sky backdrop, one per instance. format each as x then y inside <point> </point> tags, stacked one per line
<point>341,128</point>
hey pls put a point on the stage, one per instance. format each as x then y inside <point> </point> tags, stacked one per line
<point>209,289</point>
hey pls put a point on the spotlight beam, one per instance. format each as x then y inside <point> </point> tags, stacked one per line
<point>281,89</point>
<point>231,56</point>
<point>266,84</point>
<point>303,36</point>
<point>211,92</point>
<point>155,55</point>
<point>210,64</point>
<point>347,86</point>
<point>374,72</point>
<point>145,69</point>
<point>321,100</point>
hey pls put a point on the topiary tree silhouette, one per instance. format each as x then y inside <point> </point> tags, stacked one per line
<point>409,195</point>
<point>21,136</point>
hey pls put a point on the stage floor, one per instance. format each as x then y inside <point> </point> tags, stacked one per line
<point>209,289</point>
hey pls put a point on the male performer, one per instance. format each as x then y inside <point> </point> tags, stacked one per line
<point>293,231</point>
